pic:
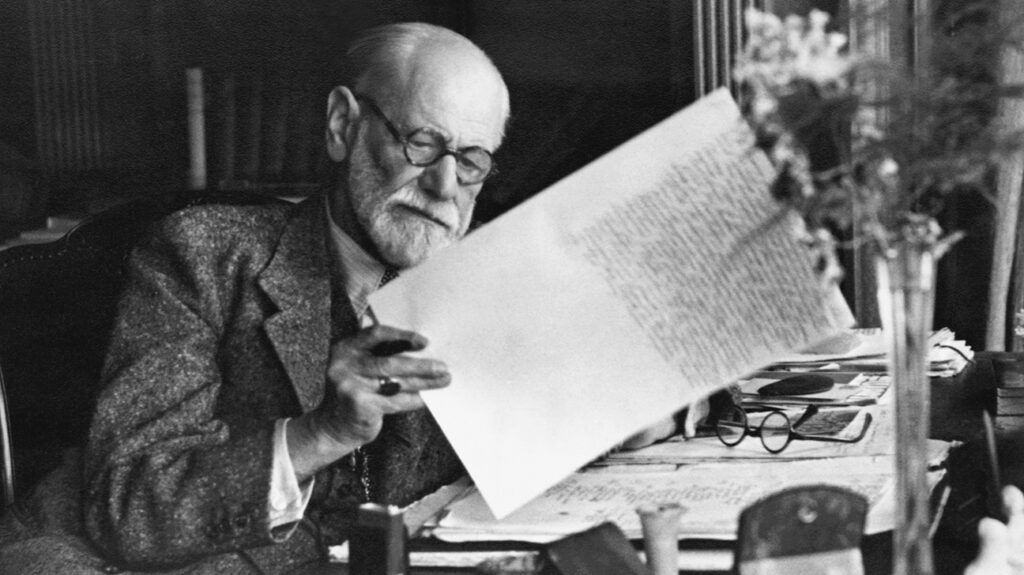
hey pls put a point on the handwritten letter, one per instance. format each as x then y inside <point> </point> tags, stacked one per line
<point>635,286</point>
<point>712,496</point>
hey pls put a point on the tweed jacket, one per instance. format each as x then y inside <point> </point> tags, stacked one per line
<point>225,327</point>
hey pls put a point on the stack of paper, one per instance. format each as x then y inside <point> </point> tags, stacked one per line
<point>712,494</point>
<point>712,481</point>
<point>865,350</point>
<point>848,388</point>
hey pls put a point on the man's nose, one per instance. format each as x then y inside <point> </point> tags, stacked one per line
<point>440,178</point>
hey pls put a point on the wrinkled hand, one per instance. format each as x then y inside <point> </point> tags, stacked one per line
<point>1002,545</point>
<point>353,407</point>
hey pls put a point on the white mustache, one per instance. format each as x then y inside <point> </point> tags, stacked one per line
<point>444,213</point>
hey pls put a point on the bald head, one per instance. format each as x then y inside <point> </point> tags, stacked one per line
<point>396,60</point>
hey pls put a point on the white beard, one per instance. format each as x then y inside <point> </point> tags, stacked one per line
<point>403,239</point>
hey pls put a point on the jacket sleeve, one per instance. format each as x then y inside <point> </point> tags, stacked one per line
<point>167,481</point>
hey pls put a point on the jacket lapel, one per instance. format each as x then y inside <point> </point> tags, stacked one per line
<point>297,280</point>
<point>410,455</point>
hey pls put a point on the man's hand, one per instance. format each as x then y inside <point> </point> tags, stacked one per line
<point>1002,545</point>
<point>353,408</point>
<point>357,366</point>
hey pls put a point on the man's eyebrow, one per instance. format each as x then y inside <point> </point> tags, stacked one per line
<point>410,127</point>
<point>448,140</point>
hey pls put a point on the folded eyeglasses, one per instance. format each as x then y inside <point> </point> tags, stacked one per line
<point>776,430</point>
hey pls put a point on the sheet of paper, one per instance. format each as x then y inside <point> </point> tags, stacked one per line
<point>689,560</point>
<point>631,288</point>
<point>713,495</point>
<point>855,343</point>
<point>864,348</point>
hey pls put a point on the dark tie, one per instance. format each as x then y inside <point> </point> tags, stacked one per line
<point>390,273</point>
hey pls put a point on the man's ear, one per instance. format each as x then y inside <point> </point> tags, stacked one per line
<point>342,113</point>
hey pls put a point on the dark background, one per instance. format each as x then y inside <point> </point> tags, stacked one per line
<point>93,109</point>
<point>584,76</point>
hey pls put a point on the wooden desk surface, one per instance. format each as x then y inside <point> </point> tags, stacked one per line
<point>955,416</point>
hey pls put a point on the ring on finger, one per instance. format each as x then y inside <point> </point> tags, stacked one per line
<point>387,386</point>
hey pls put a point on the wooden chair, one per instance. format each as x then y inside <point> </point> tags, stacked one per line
<point>57,304</point>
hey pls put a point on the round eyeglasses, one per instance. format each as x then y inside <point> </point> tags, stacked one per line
<point>776,430</point>
<point>424,147</point>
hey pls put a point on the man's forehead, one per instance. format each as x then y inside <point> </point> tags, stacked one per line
<point>457,93</point>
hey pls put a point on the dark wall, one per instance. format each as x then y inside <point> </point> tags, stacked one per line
<point>585,76</point>
<point>21,201</point>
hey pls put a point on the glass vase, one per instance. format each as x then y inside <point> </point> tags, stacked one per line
<point>906,295</point>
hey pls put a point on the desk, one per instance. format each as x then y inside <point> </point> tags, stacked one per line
<point>955,416</point>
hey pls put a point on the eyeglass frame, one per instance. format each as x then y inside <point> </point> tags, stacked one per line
<point>443,148</point>
<point>793,433</point>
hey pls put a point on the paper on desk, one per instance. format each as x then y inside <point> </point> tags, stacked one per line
<point>849,344</point>
<point>865,348</point>
<point>713,495</point>
<point>633,287</point>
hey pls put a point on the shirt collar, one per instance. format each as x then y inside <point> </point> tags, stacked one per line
<point>360,271</point>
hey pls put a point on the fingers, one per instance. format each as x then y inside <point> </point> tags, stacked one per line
<point>369,375</point>
<point>385,340</point>
<point>1001,549</point>
<point>992,552</point>
<point>992,535</point>
<point>391,347</point>
<point>373,363</point>
<point>402,401</point>
<point>397,379</point>
<point>393,394</point>
<point>402,367</point>
<point>1013,503</point>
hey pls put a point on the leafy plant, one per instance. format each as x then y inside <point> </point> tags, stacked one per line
<point>870,145</point>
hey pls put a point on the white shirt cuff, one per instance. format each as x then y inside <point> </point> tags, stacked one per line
<point>288,500</point>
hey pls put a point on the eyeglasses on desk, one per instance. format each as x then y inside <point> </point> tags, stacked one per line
<point>776,430</point>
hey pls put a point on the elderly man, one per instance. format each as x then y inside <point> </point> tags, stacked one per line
<point>242,392</point>
<point>250,402</point>
<point>249,406</point>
